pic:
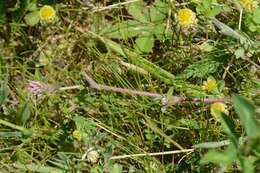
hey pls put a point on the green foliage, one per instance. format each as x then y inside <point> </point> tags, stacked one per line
<point>252,21</point>
<point>4,91</point>
<point>32,18</point>
<point>125,29</point>
<point>246,113</point>
<point>148,24</point>
<point>209,8</point>
<point>201,68</point>
<point>223,159</point>
<point>39,168</point>
<point>136,10</point>
<point>2,11</point>
<point>144,43</point>
<point>117,168</point>
<point>135,45</point>
<point>244,154</point>
<point>24,112</point>
<point>256,16</point>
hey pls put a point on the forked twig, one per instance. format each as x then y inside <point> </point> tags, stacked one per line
<point>166,100</point>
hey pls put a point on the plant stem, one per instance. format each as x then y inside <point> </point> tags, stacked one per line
<point>71,87</point>
<point>6,123</point>
<point>171,99</point>
<point>152,154</point>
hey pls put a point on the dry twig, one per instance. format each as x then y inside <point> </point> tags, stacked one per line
<point>166,101</point>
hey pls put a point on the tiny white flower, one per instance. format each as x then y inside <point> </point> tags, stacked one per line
<point>92,156</point>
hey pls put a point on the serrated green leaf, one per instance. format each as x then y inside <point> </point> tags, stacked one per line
<point>200,69</point>
<point>84,124</point>
<point>246,113</point>
<point>145,43</point>
<point>190,123</point>
<point>136,10</point>
<point>32,18</point>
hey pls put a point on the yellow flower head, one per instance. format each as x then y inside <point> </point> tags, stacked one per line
<point>210,85</point>
<point>218,106</point>
<point>76,134</point>
<point>247,4</point>
<point>186,17</point>
<point>47,13</point>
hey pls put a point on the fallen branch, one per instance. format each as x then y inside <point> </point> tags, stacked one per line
<point>166,100</point>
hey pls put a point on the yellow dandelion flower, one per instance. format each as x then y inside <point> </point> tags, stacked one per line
<point>47,13</point>
<point>247,4</point>
<point>218,106</point>
<point>186,17</point>
<point>210,85</point>
<point>76,134</point>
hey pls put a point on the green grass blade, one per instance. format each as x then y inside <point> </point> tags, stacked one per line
<point>246,113</point>
<point>37,168</point>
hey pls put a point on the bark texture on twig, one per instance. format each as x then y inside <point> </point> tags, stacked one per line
<point>166,100</point>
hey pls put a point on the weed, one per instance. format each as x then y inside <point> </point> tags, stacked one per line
<point>131,86</point>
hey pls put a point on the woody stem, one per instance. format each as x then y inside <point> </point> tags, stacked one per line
<point>174,99</point>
